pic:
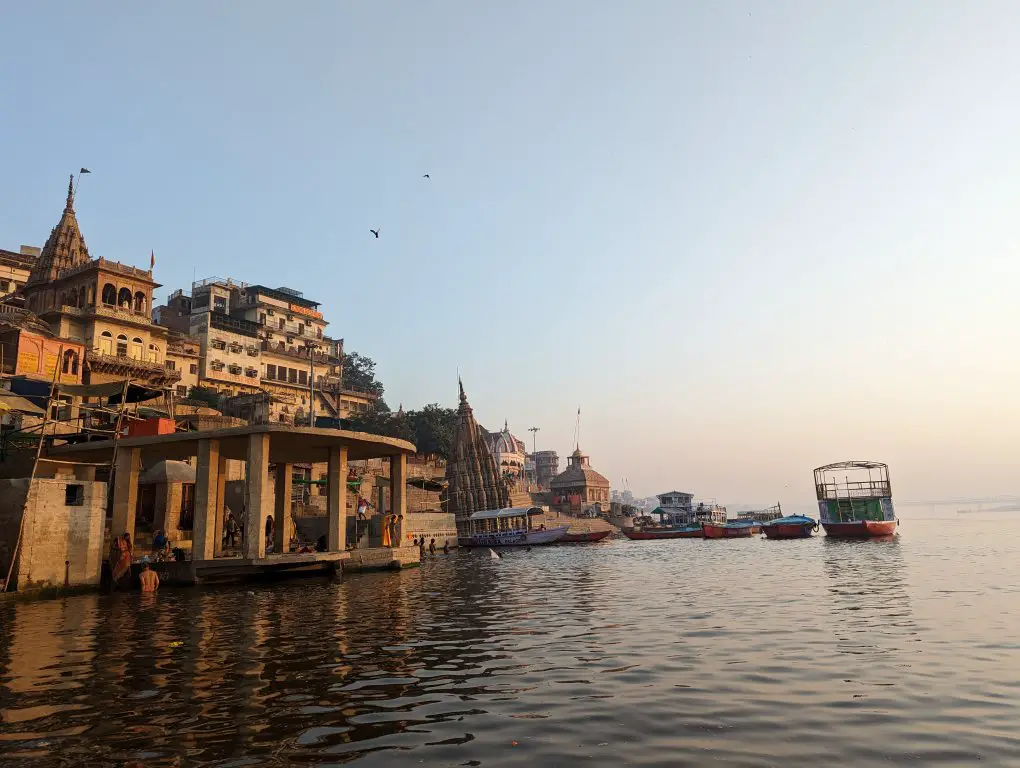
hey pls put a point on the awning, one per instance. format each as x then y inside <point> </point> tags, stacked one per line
<point>11,402</point>
<point>491,514</point>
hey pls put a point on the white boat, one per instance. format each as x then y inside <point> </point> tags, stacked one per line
<point>506,528</point>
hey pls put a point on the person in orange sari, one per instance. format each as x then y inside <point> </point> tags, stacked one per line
<point>386,531</point>
<point>122,565</point>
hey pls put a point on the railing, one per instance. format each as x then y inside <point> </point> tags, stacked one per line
<point>113,266</point>
<point>294,352</point>
<point>225,322</point>
<point>865,489</point>
<point>109,310</point>
<point>92,356</point>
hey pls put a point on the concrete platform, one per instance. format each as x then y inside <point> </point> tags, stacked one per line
<point>223,570</point>
<point>381,559</point>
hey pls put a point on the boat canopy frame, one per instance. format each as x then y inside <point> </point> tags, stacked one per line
<point>853,485</point>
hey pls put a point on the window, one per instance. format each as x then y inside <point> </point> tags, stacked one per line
<point>153,353</point>
<point>303,377</point>
<point>109,294</point>
<point>122,347</point>
<point>170,366</point>
<point>269,312</point>
<point>182,390</point>
<point>106,343</point>
<point>124,298</point>
<point>262,318</point>
<point>74,495</point>
<point>283,323</point>
<point>70,364</point>
<point>219,304</point>
<point>270,371</point>
<point>194,368</point>
<point>292,375</point>
<point>136,348</point>
<point>139,302</point>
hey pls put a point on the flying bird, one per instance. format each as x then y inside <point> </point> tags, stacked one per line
<point>375,232</point>
<point>426,176</point>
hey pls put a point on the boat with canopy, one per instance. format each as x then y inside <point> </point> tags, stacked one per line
<point>855,500</point>
<point>511,527</point>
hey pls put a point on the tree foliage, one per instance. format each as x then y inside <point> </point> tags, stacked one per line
<point>359,374</point>
<point>431,429</point>
<point>205,395</point>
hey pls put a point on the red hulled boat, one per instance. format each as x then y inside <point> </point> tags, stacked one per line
<point>583,538</point>
<point>855,500</point>
<point>736,530</point>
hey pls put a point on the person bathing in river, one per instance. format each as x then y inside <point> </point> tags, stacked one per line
<point>432,547</point>
<point>446,546</point>
<point>121,562</point>
<point>421,548</point>
<point>149,579</point>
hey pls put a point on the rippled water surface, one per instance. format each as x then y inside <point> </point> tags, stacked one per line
<point>622,653</point>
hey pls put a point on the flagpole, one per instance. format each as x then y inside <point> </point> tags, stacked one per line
<point>74,193</point>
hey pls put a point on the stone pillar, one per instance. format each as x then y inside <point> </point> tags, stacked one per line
<point>207,470</point>
<point>398,494</point>
<point>282,513</point>
<point>256,497</point>
<point>336,500</point>
<point>125,491</point>
<point>221,501</point>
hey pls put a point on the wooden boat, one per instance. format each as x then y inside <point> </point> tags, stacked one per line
<point>855,500</point>
<point>690,531</point>
<point>735,529</point>
<point>790,527</point>
<point>506,528</point>
<point>584,538</point>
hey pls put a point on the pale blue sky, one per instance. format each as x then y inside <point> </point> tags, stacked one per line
<point>745,238</point>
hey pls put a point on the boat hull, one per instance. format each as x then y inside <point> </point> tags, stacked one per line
<point>719,531</point>
<point>788,530</point>
<point>514,538</point>
<point>676,533</point>
<point>861,529</point>
<point>584,538</point>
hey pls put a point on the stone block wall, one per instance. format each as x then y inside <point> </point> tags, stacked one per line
<point>55,531</point>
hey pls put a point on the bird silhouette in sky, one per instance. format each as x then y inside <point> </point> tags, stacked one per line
<point>375,232</point>
<point>426,176</point>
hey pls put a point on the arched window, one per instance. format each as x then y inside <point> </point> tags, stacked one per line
<point>109,294</point>
<point>106,343</point>
<point>124,298</point>
<point>122,345</point>
<point>81,297</point>
<point>70,362</point>
<point>153,353</point>
<point>139,302</point>
<point>136,348</point>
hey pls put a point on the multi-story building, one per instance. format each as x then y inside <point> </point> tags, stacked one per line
<point>292,363</point>
<point>547,466</point>
<point>99,303</point>
<point>184,354</point>
<point>15,268</point>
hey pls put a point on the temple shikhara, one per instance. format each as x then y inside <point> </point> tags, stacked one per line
<point>474,480</point>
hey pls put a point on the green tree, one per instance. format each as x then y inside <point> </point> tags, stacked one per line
<point>359,374</point>
<point>433,429</point>
<point>205,396</point>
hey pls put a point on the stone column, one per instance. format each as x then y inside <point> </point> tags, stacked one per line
<point>221,501</point>
<point>256,497</point>
<point>398,494</point>
<point>203,535</point>
<point>281,515</point>
<point>336,500</point>
<point>125,491</point>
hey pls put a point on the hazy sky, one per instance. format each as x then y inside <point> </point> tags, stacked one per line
<point>746,238</point>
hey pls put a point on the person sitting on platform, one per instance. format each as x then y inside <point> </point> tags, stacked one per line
<point>158,543</point>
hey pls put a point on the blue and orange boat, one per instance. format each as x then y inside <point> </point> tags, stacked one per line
<point>790,527</point>
<point>734,529</point>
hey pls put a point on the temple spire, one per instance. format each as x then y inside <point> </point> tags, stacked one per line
<point>69,208</point>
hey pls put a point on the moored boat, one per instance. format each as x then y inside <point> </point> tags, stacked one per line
<point>689,531</point>
<point>585,537</point>
<point>734,529</point>
<point>506,528</point>
<point>790,527</point>
<point>855,500</point>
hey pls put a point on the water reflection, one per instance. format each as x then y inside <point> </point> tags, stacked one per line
<point>626,653</point>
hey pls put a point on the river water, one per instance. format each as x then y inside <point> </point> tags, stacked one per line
<point>744,652</point>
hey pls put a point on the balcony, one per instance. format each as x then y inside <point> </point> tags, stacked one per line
<point>129,366</point>
<point>298,353</point>
<point>233,324</point>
